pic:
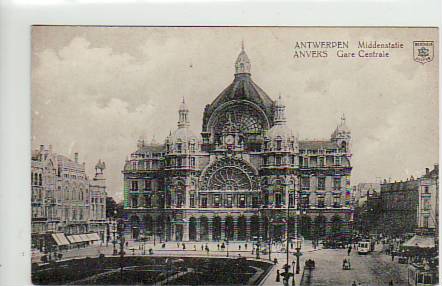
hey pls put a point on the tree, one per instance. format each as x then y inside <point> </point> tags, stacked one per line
<point>113,209</point>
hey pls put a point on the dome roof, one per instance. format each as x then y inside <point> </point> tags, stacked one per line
<point>183,134</point>
<point>243,88</point>
<point>282,131</point>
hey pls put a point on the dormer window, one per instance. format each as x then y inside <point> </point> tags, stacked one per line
<point>266,145</point>
<point>278,144</point>
<point>344,146</point>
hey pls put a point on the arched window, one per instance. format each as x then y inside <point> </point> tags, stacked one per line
<point>40,180</point>
<point>344,146</point>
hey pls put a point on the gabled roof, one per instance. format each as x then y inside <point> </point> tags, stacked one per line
<point>317,144</point>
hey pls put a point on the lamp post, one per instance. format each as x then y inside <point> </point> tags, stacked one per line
<point>120,228</point>
<point>298,253</point>
<point>227,247</point>
<point>293,267</point>
<point>270,239</point>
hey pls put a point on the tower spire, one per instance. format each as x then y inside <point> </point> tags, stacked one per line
<point>242,64</point>
<point>279,111</point>
<point>183,115</point>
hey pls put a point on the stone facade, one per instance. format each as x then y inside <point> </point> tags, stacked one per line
<point>241,177</point>
<point>428,208</point>
<point>63,198</point>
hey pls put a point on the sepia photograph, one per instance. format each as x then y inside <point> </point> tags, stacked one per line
<point>165,155</point>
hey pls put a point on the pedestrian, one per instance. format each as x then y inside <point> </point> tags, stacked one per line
<point>354,283</point>
<point>277,275</point>
<point>344,263</point>
<point>392,256</point>
<point>217,246</point>
<point>194,247</point>
<point>239,247</point>
<point>184,246</point>
<point>245,246</point>
<point>349,251</point>
<point>178,245</point>
<point>391,283</point>
<point>202,247</point>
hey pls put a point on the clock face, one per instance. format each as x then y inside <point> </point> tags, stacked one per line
<point>229,139</point>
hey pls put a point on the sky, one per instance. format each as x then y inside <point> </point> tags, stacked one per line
<point>97,90</point>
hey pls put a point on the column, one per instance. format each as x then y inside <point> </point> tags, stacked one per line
<point>186,231</point>
<point>223,228</point>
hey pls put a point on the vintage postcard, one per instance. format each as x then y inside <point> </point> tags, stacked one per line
<point>235,155</point>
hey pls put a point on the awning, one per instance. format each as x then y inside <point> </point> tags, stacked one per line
<point>420,241</point>
<point>74,238</point>
<point>93,236</point>
<point>84,237</point>
<point>60,238</point>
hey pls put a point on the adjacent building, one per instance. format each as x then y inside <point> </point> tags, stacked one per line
<point>236,180</point>
<point>428,207</point>
<point>64,200</point>
<point>411,205</point>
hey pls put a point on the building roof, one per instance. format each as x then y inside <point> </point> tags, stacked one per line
<point>151,148</point>
<point>242,88</point>
<point>317,144</point>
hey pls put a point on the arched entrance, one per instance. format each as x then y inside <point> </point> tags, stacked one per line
<point>135,226</point>
<point>336,225</point>
<point>216,228</point>
<point>292,227</point>
<point>179,232</point>
<point>306,222</point>
<point>229,230</point>
<point>148,226</point>
<point>319,227</point>
<point>192,229</point>
<point>266,228</point>
<point>169,228</point>
<point>242,228</point>
<point>204,228</point>
<point>254,227</point>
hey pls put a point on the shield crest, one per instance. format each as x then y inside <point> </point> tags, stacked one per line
<point>423,51</point>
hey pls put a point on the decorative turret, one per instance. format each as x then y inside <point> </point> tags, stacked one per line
<point>242,64</point>
<point>342,135</point>
<point>177,141</point>
<point>183,112</point>
<point>280,136</point>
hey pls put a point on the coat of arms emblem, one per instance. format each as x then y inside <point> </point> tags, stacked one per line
<point>423,51</point>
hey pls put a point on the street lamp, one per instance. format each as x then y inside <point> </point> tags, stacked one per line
<point>120,228</point>
<point>298,253</point>
<point>293,266</point>
<point>227,247</point>
<point>270,238</point>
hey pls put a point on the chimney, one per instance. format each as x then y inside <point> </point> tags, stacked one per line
<point>76,157</point>
<point>427,171</point>
<point>42,148</point>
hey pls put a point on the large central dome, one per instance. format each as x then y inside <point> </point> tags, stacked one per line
<point>242,91</point>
